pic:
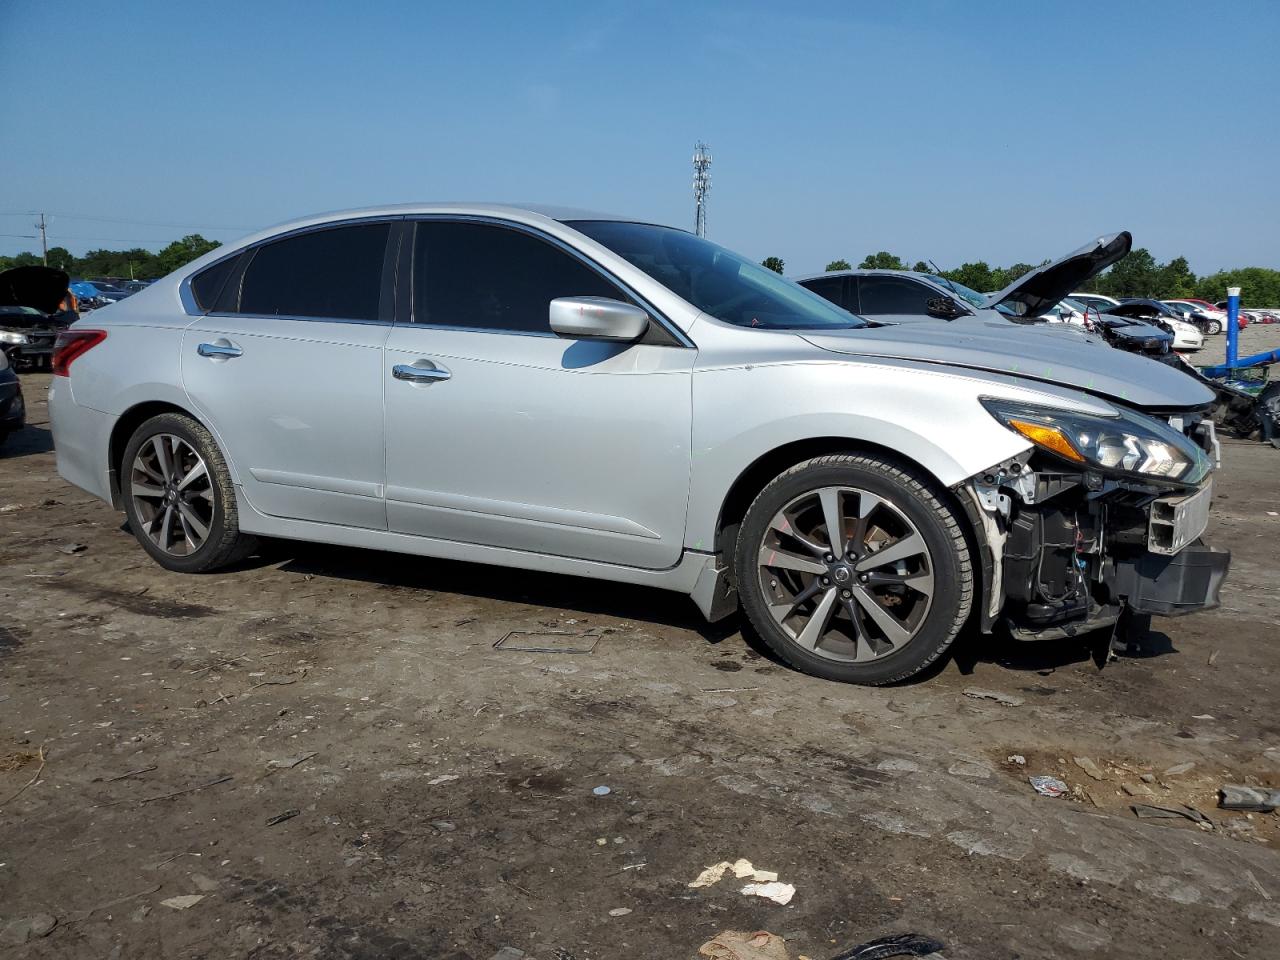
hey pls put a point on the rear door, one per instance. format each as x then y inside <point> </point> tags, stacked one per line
<point>515,437</point>
<point>287,372</point>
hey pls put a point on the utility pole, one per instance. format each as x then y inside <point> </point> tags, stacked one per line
<point>701,186</point>
<point>44,242</point>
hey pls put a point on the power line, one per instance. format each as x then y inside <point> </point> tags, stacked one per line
<point>121,220</point>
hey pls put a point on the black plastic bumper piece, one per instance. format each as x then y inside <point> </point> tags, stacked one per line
<point>12,410</point>
<point>1169,586</point>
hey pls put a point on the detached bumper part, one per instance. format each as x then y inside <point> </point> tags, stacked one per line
<point>1183,583</point>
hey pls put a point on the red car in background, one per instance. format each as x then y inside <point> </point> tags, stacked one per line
<point>1243,320</point>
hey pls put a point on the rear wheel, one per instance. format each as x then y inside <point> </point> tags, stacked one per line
<point>179,497</point>
<point>852,568</point>
<point>1215,327</point>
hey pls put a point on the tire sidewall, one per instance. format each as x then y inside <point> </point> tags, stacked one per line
<point>182,427</point>
<point>939,628</point>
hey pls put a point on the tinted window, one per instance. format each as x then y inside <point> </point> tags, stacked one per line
<point>206,284</point>
<point>894,295</point>
<point>494,278</point>
<point>829,288</point>
<point>325,273</point>
<point>711,278</point>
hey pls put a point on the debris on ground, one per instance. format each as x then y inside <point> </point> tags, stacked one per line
<point>901,945</point>
<point>71,549</point>
<point>602,791</point>
<point>1006,698</point>
<point>1016,758</point>
<point>1137,789</point>
<point>282,817</point>
<point>734,945</point>
<point>15,761</point>
<point>288,763</point>
<point>183,902</point>
<point>554,641</point>
<point>1233,796</point>
<point>20,931</point>
<point>619,911</point>
<point>1150,811</point>
<point>1180,768</point>
<point>779,893</point>
<point>974,769</point>
<point>1048,786</point>
<point>1088,766</point>
<point>445,778</point>
<point>742,869</point>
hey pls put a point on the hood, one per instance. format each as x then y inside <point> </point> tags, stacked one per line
<point>1034,293</point>
<point>1089,365</point>
<point>41,288</point>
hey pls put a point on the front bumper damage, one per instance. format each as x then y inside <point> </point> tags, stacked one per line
<point>1064,553</point>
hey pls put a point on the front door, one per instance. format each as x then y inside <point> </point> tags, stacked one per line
<point>501,433</point>
<point>287,373</point>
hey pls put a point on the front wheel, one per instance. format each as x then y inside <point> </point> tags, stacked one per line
<point>853,568</point>
<point>179,498</point>
<point>1214,328</point>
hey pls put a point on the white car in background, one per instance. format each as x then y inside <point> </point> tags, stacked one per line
<point>1186,336</point>
<point>1207,321</point>
<point>1072,311</point>
<point>1096,300</point>
<point>1216,316</point>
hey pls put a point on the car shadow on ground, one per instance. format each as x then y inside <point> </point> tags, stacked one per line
<point>578,595</point>
<point>26,442</point>
<point>574,595</point>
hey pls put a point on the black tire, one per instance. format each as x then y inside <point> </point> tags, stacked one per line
<point>1215,327</point>
<point>225,544</point>
<point>938,524</point>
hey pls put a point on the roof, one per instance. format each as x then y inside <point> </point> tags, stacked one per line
<point>862,272</point>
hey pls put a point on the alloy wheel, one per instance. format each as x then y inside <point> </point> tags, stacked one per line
<point>846,574</point>
<point>172,494</point>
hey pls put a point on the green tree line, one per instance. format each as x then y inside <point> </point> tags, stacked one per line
<point>135,264</point>
<point>1137,275</point>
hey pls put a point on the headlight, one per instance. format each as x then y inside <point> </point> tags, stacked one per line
<point>1126,443</point>
<point>11,336</point>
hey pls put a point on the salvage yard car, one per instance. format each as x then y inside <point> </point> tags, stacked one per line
<point>34,305</point>
<point>911,296</point>
<point>569,392</point>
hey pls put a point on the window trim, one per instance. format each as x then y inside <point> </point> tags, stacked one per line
<point>662,332</point>
<point>247,253</point>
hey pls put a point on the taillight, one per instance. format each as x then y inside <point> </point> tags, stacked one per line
<point>70,344</point>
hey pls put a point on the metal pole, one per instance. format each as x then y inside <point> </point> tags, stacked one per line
<point>1233,324</point>
<point>44,243</point>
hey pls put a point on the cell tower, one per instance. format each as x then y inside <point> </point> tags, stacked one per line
<point>701,186</point>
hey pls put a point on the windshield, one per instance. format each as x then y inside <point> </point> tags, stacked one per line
<point>718,281</point>
<point>973,296</point>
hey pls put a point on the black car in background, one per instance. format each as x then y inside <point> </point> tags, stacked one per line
<point>35,306</point>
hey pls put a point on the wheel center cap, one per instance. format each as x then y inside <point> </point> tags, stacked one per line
<point>841,574</point>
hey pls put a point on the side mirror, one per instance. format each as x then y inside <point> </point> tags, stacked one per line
<point>597,318</point>
<point>945,307</point>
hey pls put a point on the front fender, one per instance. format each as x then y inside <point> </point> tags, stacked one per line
<point>933,418</point>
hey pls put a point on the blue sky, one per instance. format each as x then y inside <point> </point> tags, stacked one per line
<point>937,129</point>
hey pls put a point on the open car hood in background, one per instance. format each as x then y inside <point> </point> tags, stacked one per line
<point>1032,294</point>
<point>41,288</point>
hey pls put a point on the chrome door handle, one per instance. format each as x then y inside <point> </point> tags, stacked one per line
<point>425,374</point>
<point>222,350</point>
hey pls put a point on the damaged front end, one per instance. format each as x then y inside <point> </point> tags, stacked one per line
<point>1101,516</point>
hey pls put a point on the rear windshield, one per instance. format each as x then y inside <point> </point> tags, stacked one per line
<point>722,283</point>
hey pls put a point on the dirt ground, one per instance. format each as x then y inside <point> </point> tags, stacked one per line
<point>323,753</point>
